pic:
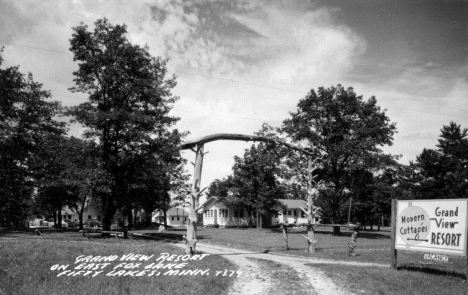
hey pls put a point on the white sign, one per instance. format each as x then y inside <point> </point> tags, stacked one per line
<point>437,226</point>
<point>437,257</point>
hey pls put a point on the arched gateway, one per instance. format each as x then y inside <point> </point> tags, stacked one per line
<point>198,147</point>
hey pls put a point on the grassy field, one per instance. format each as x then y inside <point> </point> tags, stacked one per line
<point>26,261</point>
<point>372,246</point>
<point>415,275</point>
<point>371,281</point>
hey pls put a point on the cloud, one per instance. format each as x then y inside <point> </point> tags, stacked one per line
<point>232,58</point>
<point>295,47</point>
<point>420,102</point>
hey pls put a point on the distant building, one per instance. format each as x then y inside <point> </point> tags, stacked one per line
<point>216,213</point>
<point>292,213</point>
<point>90,212</point>
<point>176,216</point>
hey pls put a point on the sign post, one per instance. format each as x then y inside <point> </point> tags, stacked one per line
<point>434,226</point>
<point>393,220</point>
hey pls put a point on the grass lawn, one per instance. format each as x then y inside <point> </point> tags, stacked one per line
<point>26,261</point>
<point>371,280</point>
<point>372,246</point>
<point>415,275</point>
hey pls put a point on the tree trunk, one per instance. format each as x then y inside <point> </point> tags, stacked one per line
<point>80,218</point>
<point>59,218</point>
<point>285,235</point>
<point>108,211</point>
<point>311,196</point>
<point>191,238</point>
<point>148,218</point>
<point>336,220</point>
<point>336,230</point>
<point>194,197</point>
<point>135,223</point>
<point>259,221</point>
<point>130,218</point>
<point>54,215</point>
<point>80,215</point>
<point>352,243</point>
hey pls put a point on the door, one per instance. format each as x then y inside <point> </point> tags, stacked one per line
<point>215,212</point>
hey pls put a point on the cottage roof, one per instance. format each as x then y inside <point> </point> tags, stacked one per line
<point>210,200</point>
<point>177,211</point>
<point>293,204</point>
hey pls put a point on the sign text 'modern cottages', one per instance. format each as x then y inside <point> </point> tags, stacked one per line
<point>437,226</point>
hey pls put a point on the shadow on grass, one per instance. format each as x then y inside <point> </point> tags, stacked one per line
<point>361,235</point>
<point>432,271</point>
<point>286,250</point>
<point>175,236</point>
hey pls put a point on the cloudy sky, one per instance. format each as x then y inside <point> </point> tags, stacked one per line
<point>240,64</point>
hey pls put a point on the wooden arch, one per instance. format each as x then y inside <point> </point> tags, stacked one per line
<point>198,147</point>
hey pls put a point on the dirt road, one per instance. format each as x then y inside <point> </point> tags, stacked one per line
<point>256,280</point>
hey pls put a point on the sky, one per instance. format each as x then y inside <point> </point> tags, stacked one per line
<point>242,63</point>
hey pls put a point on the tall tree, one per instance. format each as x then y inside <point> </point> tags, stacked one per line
<point>26,119</point>
<point>443,172</point>
<point>255,186</point>
<point>54,189</point>
<point>128,108</point>
<point>220,187</point>
<point>347,133</point>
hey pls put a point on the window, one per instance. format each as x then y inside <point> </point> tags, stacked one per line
<point>172,218</point>
<point>69,217</point>
<point>209,213</point>
<point>99,217</point>
<point>289,212</point>
<point>241,213</point>
<point>295,213</point>
<point>177,218</point>
<point>89,217</point>
<point>223,213</point>
<point>284,212</point>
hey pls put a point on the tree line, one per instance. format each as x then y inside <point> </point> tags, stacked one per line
<point>356,180</point>
<point>128,158</point>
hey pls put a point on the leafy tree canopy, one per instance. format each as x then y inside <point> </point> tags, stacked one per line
<point>443,172</point>
<point>26,120</point>
<point>346,132</point>
<point>128,108</point>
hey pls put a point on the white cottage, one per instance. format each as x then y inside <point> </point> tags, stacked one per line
<point>292,213</point>
<point>90,212</point>
<point>176,216</point>
<point>216,213</point>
